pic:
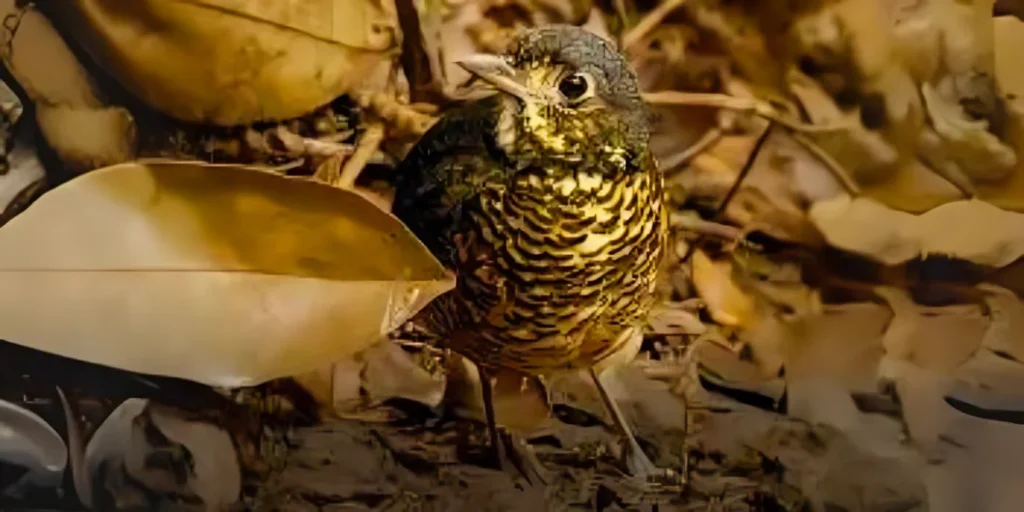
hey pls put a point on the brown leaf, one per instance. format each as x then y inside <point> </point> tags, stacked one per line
<point>220,274</point>
<point>726,302</point>
<point>390,372</point>
<point>934,338</point>
<point>78,124</point>
<point>843,344</point>
<point>972,230</point>
<point>88,138</point>
<point>336,387</point>
<point>1005,334</point>
<point>230,62</point>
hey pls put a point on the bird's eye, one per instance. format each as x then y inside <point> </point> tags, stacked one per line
<point>574,86</point>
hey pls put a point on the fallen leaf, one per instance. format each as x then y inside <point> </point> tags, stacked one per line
<point>969,143</point>
<point>219,274</point>
<point>25,179</point>
<point>973,462</point>
<point>197,460</point>
<point>971,230</point>
<point>866,227</point>
<point>865,154</point>
<point>83,129</point>
<point>336,387</point>
<point>935,338</point>
<point>722,368</point>
<point>992,378</point>
<point>1005,334</point>
<point>727,304</point>
<point>88,138</point>
<point>29,443</point>
<point>230,62</point>
<point>671,318</point>
<point>391,372</point>
<point>843,343</point>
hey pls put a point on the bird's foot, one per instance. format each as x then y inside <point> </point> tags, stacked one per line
<point>645,473</point>
<point>510,453</point>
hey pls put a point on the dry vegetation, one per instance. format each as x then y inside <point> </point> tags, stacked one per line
<point>204,297</point>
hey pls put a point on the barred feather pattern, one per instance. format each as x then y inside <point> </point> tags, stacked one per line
<point>553,269</point>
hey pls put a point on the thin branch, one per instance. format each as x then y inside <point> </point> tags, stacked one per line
<point>837,169</point>
<point>706,227</point>
<point>365,148</point>
<point>747,166</point>
<point>754,106</point>
<point>705,141</point>
<point>649,22</point>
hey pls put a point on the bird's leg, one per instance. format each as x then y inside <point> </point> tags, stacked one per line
<point>637,462</point>
<point>497,446</point>
<point>522,461</point>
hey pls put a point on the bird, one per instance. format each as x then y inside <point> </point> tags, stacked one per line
<point>545,201</point>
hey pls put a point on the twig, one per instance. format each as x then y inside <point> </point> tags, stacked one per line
<point>365,148</point>
<point>703,143</point>
<point>647,24</point>
<point>620,11</point>
<point>706,227</point>
<point>751,105</point>
<point>747,166</point>
<point>296,143</point>
<point>402,118</point>
<point>273,169</point>
<point>830,163</point>
<point>414,59</point>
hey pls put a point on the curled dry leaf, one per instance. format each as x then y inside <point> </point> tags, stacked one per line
<point>81,127</point>
<point>28,442</point>
<point>726,302</point>
<point>969,143</point>
<point>219,274</point>
<point>366,379</point>
<point>863,153</point>
<point>336,387</point>
<point>391,372</point>
<point>229,62</point>
<point>673,318</point>
<point>147,455</point>
<point>972,230</point>
<point>88,138</point>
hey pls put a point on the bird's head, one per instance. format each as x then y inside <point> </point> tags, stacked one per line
<point>569,95</point>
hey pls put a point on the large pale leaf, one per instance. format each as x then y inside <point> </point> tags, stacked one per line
<point>230,62</point>
<point>970,229</point>
<point>219,274</point>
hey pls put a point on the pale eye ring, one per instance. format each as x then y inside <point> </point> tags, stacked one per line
<point>576,87</point>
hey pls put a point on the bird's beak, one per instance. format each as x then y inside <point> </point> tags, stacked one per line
<point>499,73</point>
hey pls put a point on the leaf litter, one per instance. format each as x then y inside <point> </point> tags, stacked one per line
<point>839,328</point>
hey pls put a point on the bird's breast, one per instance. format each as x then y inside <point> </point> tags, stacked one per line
<point>565,251</point>
<point>583,220</point>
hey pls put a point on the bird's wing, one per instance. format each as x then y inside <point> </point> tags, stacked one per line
<point>444,172</point>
